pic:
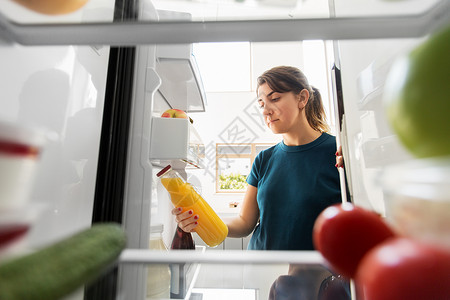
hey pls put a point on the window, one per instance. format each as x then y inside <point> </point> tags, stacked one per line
<point>233,164</point>
<point>225,67</point>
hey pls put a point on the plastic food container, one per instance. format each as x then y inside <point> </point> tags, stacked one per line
<point>15,224</point>
<point>20,148</point>
<point>417,199</point>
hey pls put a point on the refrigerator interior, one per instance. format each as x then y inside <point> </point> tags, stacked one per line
<point>60,87</point>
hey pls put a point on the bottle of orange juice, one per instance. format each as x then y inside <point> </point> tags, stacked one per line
<point>210,227</point>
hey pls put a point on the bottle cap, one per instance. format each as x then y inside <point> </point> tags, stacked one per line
<point>164,171</point>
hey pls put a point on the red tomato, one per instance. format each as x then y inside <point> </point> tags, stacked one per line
<point>343,233</point>
<point>402,268</point>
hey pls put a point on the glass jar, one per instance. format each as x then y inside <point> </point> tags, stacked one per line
<point>417,199</point>
<point>159,277</point>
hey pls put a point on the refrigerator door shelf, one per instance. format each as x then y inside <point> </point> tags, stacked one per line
<point>371,80</point>
<point>383,152</point>
<point>175,141</point>
<point>182,85</point>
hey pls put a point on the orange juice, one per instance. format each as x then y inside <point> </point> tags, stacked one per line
<point>210,227</point>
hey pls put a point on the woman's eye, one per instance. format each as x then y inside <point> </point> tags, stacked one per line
<point>275,99</point>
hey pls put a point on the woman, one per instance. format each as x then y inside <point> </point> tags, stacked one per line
<point>293,181</point>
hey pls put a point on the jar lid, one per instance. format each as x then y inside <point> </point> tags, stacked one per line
<point>164,171</point>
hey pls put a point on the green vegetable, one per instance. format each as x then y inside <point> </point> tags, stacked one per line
<point>417,97</point>
<point>59,269</point>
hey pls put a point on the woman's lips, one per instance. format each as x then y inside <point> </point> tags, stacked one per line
<point>270,122</point>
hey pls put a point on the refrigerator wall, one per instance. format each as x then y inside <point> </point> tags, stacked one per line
<point>166,76</point>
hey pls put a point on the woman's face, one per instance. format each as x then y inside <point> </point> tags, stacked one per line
<point>281,111</point>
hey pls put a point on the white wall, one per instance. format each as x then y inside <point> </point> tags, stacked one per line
<point>233,117</point>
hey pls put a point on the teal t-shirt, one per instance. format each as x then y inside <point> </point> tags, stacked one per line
<point>295,183</point>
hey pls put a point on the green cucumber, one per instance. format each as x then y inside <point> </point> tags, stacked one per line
<point>61,268</point>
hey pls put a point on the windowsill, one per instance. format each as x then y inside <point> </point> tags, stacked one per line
<point>229,212</point>
<point>223,209</point>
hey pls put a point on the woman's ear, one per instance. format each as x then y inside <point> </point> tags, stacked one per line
<point>303,98</point>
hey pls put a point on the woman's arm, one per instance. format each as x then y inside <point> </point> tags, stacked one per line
<point>244,224</point>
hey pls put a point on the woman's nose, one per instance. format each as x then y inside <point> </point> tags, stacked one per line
<point>267,110</point>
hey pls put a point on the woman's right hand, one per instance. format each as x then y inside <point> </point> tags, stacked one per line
<point>186,220</point>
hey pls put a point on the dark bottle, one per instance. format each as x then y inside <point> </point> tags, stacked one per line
<point>334,288</point>
<point>181,241</point>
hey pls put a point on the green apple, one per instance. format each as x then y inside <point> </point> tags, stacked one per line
<point>174,113</point>
<point>417,97</point>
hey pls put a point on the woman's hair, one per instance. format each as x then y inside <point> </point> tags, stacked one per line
<point>284,79</point>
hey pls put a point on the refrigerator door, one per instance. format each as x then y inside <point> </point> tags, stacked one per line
<point>368,142</point>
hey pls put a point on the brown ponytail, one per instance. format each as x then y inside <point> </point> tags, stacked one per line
<point>285,79</point>
<point>315,113</point>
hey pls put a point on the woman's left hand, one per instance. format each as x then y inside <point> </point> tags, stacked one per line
<point>339,158</point>
<point>186,219</point>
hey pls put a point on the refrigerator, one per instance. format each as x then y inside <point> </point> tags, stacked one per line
<point>97,80</point>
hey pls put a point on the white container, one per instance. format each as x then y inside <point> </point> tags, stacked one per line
<point>159,276</point>
<point>20,148</point>
<point>417,199</point>
<point>175,141</point>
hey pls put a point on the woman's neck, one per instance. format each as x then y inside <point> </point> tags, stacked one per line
<point>301,137</point>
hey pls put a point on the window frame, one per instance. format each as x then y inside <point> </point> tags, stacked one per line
<point>251,156</point>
